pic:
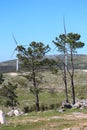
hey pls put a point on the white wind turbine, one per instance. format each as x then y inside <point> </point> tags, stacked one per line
<point>17,61</point>
<point>16,49</point>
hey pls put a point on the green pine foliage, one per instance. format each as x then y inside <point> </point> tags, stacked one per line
<point>9,95</point>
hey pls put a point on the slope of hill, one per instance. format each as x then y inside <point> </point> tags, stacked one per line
<point>80,62</point>
<point>8,66</point>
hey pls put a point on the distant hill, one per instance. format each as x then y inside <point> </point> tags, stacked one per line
<point>8,66</point>
<point>80,62</point>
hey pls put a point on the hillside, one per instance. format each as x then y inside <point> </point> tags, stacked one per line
<point>80,62</point>
<point>49,118</point>
<point>8,66</point>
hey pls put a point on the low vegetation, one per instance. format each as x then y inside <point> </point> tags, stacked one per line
<point>52,89</point>
<point>50,101</point>
<point>48,120</point>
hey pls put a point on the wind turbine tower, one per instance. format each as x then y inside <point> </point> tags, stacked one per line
<point>65,53</point>
<point>16,49</point>
<point>17,60</point>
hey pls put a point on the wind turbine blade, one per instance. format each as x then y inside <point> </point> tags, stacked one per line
<point>54,49</point>
<point>13,52</point>
<point>64,25</point>
<point>15,40</point>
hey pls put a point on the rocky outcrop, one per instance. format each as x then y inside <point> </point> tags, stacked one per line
<point>15,112</point>
<point>79,104</point>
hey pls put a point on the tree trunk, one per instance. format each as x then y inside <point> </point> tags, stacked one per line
<point>65,70</point>
<point>72,80</point>
<point>35,88</point>
<point>65,82</point>
<point>37,102</point>
<point>73,90</point>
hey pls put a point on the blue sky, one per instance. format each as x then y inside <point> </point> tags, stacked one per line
<point>40,21</point>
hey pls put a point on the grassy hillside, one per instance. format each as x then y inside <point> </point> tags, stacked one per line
<point>53,89</point>
<point>50,98</point>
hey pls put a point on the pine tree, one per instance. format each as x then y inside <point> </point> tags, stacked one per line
<point>31,59</point>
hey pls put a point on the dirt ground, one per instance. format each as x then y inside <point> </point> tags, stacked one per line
<point>79,118</point>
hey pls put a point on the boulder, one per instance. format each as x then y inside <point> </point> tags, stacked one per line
<point>10,113</point>
<point>66,105</point>
<point>15,112</point>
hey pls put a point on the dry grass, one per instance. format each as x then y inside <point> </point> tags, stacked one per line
<point>51,122</point>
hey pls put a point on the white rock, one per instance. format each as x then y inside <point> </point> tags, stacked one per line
<point>10,113</point>
<point>16,112</point>
<point>2,117</point>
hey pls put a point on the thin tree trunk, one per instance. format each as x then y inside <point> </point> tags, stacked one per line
<point>73,90</point>
<point>65,76</point>
<point>37,102</point>
<point>72,80</point>
<point>66,90</point>
<point>36,92</point>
